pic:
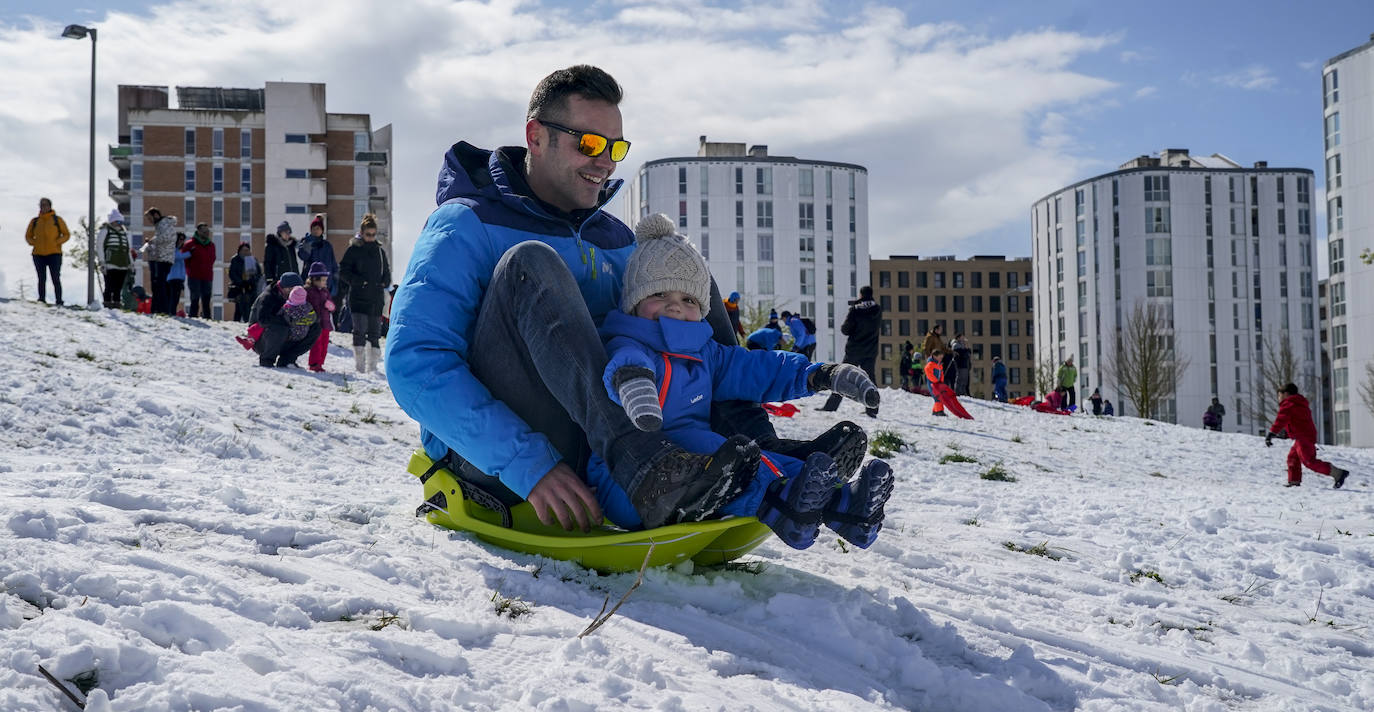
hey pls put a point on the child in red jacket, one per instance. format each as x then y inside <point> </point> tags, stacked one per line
<point>1295,416</point>
<point>317,293</point>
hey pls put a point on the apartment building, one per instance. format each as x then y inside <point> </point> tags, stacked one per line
<point>784,232</point>
<point>1348,133</point>
<point>986,297</point>
<point>1226,250</point>
<point>244,160</point>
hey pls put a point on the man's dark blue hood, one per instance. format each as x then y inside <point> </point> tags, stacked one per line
<point>470,173</point>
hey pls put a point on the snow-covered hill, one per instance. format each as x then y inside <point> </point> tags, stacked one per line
<point>180,529</point>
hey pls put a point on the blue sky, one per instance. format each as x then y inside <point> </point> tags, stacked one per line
<point>963,113</point>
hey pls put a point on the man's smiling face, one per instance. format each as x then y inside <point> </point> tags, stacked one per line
<point>558,172</point>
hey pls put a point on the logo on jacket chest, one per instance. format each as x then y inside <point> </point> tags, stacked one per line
<point>697,398</point>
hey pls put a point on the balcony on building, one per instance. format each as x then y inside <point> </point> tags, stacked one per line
<point>120,156</point>
<point>119,191</point>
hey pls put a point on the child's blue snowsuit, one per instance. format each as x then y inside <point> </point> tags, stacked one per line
<point>691,370</point>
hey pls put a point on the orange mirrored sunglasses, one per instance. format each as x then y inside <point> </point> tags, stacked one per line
<point>593,144</point>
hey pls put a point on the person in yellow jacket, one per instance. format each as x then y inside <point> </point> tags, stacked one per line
<point>46,234</point>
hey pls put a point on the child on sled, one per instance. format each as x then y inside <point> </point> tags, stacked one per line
<point>665,370</point>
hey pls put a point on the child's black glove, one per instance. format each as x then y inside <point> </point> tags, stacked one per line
<point>846,380</point>
<point>1269,440</point>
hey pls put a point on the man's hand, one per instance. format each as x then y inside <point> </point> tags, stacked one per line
<point>1269,440</point>
<point>561,495</point>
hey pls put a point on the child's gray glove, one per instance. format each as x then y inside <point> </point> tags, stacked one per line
<point>639,396</point>
<point>846,380</point>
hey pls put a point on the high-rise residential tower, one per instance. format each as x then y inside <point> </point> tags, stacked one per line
<point>1226,251</point>
<point>1348,116</point>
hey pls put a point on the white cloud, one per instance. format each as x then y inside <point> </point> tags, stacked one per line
<point>1146,92</point>
<point>1131,57</point>
<point>1254,77</point>
<point>960,132</point>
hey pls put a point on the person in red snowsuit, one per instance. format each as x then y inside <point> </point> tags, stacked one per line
<point>1295,417</point>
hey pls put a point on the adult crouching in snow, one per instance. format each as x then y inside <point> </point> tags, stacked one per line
<point>280,344</point>
<point>1295,417</point>
<point>366,273</point>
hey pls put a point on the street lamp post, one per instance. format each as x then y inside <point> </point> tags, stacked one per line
<point>76,32</point>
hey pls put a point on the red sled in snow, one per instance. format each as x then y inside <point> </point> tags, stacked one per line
<point>949,400</point>
<point>785,410</point>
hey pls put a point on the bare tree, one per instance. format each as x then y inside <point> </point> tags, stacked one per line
<point>1277,365</point>
<point>76,253</point>
<point>1046,375</point>
<point>1367,388</point>
<point>1145,365</point>
<point>755,315</point>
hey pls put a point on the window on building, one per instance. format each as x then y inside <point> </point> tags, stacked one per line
<point>1333,130</point>
<point>1159,283</point>
<point>136,140</point>
<point>1156,188</point>
<point>1335,214</point>
<point>851,186</point>
<point>851,219</point>
<point>1331,90</point>
<point>808,282</point>
<point>885,302</point>
<point>217,178</point>
<point>1082,263</point>
<point>1304,221</point>
<point>1333,172</point>
<point>1156,220</point>
<point>297,138</point>
<point>903,279</point>
<point>705,175</point>
<point>296,209</point>
<point>958,303</point>
<point>805,183</point>
<point>884,279</point>
<point>992,280</point>
<point>682,213</point>
<point>1158,251</point>
<point>739,247</point>
<point>246,179</point>
<point>739,213</point>
<point>190,177</point>
<point>1304,189</point>
<point>1337,249</point>
<point>245,213</point>
<point>765,248</point>
<point>903,303</point>
<point>1282,219</point>
<point>190,141</point>
<point>217,142</point>
<point>806,248</point>
<point>763,180</point>
<point>297,173</point>
<point>682,180</point>
<point>705,246</point>
<point>190,211</point>
<point>1014,353</point>
<point>958,279</point>
<point>940,303</point>
<point>829,217</point>
<point>1339,349</point>
<point>136,176</point>
<point>976,303</point>
<point>739,181</point>
<point>217,211</point>
<point>975,280</point>
<point>922,304</point>
<point>765,280</point>
<point>705,212</point>
<point>806,216</point>
<point>939,280</point>
<point>765,213</point>
<point>921,280</point>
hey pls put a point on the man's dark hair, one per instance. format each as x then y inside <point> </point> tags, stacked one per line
<point>1289,389</point>
<point>151,211</point>
<point>550,98</point>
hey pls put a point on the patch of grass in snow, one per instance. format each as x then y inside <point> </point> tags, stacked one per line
<point>972,522</point>
<point>885,443</point>
<point>387,619</point>
<point>85,681</point>
<point>749,567</point>
<point>308,427</point>
<point>1169,680</point>
<point>511,608</point>
<point>1250,591</point>
<point>997,473</point>
<point>1150,574</point>
<point>49,354</point>
<point>82,353</point>
<point>1041,549</point>
<point>1160,475</point>
<point>374,390</point>
<point>1017,439</point>
<point>1199,632</point>
<point>355,408</point>
<point>957,457</point>
<point>1150,423</point>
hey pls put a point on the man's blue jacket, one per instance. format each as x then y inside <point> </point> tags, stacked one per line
<point>801,338</point>
<point>765,336</point>
<point>485,208</point>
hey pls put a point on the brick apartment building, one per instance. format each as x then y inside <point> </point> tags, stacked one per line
<point>244,160</point>
<point>988,298</point>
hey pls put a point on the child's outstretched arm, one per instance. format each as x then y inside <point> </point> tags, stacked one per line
<point>846,380</point>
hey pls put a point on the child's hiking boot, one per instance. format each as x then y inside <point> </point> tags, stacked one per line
<point>1339,474</point>
<point>855,512</point>
<point>792,507</point>
<point>845,443</point>
<point>679,486</point>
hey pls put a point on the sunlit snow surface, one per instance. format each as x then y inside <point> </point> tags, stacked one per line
<point>186,530</point>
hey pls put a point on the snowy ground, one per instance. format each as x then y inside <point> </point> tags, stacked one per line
<point>183,530</point>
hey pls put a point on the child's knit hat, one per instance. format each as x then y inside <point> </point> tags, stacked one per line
<point>297,297</point>
<point>317,269</point>
<point>664,261</point>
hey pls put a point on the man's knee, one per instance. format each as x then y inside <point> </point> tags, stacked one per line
<point>531,259</point>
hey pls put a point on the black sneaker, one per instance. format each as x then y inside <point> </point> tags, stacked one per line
<point>1339,476</point>
<point>1292,484</point>
<point>679,486</point>
<point>939,414</point>
<point>845,443</point>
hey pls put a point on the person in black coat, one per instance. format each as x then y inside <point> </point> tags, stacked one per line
<point>861,325</point>
<point>279,255</point>
<point>367,274</point>
<point>244,276</point>
<point>275,347</point>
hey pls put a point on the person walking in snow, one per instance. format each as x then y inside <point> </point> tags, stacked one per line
<point>963,361</point>
<point>935,374</point>
<point>176,277</point>
<point>117,257</point>
<point>365,273</point>
<point>493,346</point>
<point>999,380</point>
<point>317,293</point>
<point>861,325</point>
<point>317,248</point>
<point>46,234</point>
<point>1067,377</point>
<point>200,271</point>
<point>159,251</point>
<point>803,337</point>
<point>1212,419</point>
<point>904,364</point>
<point>934,339</point>
<point>665,369</point>
<point>279,254</point>
<point>285,333</point>
<point>1295,419</point>
<point>245,275</point>
<point>1096,400</point>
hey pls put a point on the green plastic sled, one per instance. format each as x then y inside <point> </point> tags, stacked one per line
<point>606,548</point>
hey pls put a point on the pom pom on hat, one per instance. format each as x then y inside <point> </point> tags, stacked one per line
<point>318,220</point>
<point>297,297</point>
<point>664,261</point>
